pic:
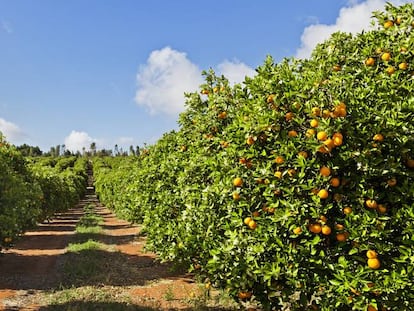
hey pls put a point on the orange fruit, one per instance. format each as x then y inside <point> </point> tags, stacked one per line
<point>310,133</point>
<point>247,220</point>
<point>314,123</point>
<point>236,196</point>
<point>316,111</point>
<point>250,140</point>
<point>237,182</point>
<point>336,68</point>
<point>292,133</point>
<point>339,227</point>
<point>244,295</point>
<point>204,92</point>
<point>371,203</point>
<point>371,254</point>
<point>374,263</point>
<point>256,214</point>
<point>297,230</point>
<point>278,174</point>
<point>222,115</point>
<point>403,66</point>
<point>322,135</point>
<point>337,140</point>
<point>410,163</point>
<point>323,194</point>
<point>335,182</point>
<point>347,210</point>
<point>392,182</point>
<point>326,113</point>
<point>370,61</point>
<point>386,56</point>
<point>388,24</point>
<point>329,143</point>
<point>390,70</point>
<point>325,171</point>
<point>381,208</point>
<point>252,224</point>
<point>342,237</point>
<point>270,98</point>
<point>289,116</point>
<point>326,230</point>
<point>291,172</point>
<point>378,137</point>
<point>279,160</point>
<point>315,228</point>
<point>323,218</point>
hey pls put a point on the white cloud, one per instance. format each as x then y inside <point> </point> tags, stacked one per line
<point>235,71</point>
<point>76,141</point>
<point>164,79</point>
<point>11,131</point>
<point>168,74</point>
<point>352,19</point>
<point>5,25</point>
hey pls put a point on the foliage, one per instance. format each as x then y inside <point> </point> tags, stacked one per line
<point>294,190</point>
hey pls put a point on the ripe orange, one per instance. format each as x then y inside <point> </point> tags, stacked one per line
<point>337,139</point>
<point>297,230</point>
<point>252,224</point>
<point>314,123</point>
<point>392,182</point>
<point>371,203</point>
<point>371,254</point>
<point>325,171</point>
<point>388,24</point>
<point>256,214</point>
<point>342,237</point>
<point>374,263</point>
<point>323,218</point>
<point>237,182</point>
<point>292,133</point>
<point>326,230</point>
<point>236,196</point>
<point>347,210</point>
<point>336,68</point>
<point>270,98</point>
<point>278,174</point>
<point>310,133</point>
<point>381,208</point>
<point>323,194</point>
<point>316,111</point>
<point>244,295</point>
<point>370,61</point>
<point>315,228</point>
<point>329,143</point>
<point>222,115</point>
<point>378,137</point>
<point>335,182</point>
<point>403,66</point>
<point>247,220</point>
<point>250,140</point>
<point>390,70</point>
<point>386,57</point>
<point>279,160</point>
<point>289,116</point>
<point>204,92</point>
<point>322,135</point>
<point>339,227</point>
<point>291,172</point>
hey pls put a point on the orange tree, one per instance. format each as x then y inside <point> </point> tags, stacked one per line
<point>32,190</point>
<point>295,190</point>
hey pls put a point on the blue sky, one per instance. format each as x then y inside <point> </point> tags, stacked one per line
<point>114,72</point>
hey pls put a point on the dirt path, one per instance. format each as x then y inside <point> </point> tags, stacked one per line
<point>33,269</point>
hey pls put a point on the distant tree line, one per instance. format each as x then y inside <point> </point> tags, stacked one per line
<point>60,150</point>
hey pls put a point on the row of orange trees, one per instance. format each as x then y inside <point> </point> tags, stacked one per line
<point>294,190</point>
<point>32,190</point>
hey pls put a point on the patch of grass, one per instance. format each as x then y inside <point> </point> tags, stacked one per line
<point>169,294</point>
<point>90,220</point>
<point>90,298</point>
<point>88,245</point>
<point>89,230</point>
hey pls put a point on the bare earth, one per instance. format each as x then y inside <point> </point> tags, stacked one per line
<point>34,266</point>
